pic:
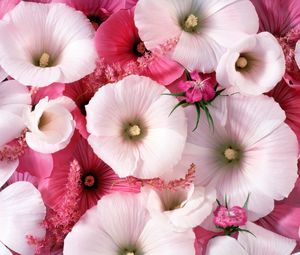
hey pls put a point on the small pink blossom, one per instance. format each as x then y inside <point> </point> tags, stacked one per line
<point>200,88</point>
<point>235,216</point>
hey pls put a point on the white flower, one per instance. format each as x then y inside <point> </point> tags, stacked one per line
<point>131,129</point>
<point>263,242</point>
<point>253,66</point>
<point>120,224</point>
<point>50,125</point>
<point>45,43</point>
<point>250,151</point>
<point>22,213</point>
<point>204,28</point>
<point>184,208</point>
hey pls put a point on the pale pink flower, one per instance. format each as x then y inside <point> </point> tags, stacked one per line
<point>297,54</point>
<point>50,125</point>
<point>285,25</point>
<point>58,49</point>
<point>204,28</point>
<point>22,213</point>
<point>120,224</point>
<point>126,48</point>
<point>184,208</point>
<point>252,66</point>
<point>262,242</point>
<point>225,217</point>
<point>249,150</point>
<point>200,88</point>
<point>131,129</point>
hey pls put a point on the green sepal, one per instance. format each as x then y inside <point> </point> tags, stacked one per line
<point>197,105</point>
<point>174,94</point>
<point>176,106</point>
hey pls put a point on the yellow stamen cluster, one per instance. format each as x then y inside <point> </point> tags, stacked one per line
<point>134,131</point>
<point>44,60</point>
<point>242,62</point>
<point>191,22</point>
<point>230,154</point>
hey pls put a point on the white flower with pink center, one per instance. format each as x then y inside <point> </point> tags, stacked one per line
<point>50,125</point>
<point>250,150</point>
<point>120,224</point>
<point>131,129</point>
<point>204,28</point>
<point>253,66</point>
<point>45,43</point>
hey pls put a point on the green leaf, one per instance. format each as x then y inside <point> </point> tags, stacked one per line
<point>226,202</point>
<point>187,75</point>
<point>245,230</point>
<point>218,202</point>
<point>174,94</point>
<point>208,116</point>
<point>198,115</point>
<point>247,201</point>
<point>176,106</point>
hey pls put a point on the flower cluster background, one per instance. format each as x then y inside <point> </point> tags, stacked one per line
<point>149,127</point>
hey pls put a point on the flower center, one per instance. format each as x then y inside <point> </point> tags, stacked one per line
<point>231,154</point>
<point>89,181</point>
<point>191,22</point>
<point>140,48</point>
<point>44,60</point>
<point>134,130</point>
<point>241,63</point>
<point>130,253</point>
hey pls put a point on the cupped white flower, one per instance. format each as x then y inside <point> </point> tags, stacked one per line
<point>253,66</point>
<point>250,151</point>
<point>45,43</point>
<point>22,212</point>
<point>262,242</point>
<point>120,224</point>
<point>51,125</point>
<point>184,208</point>
<point>297,54</point>
<point>203,28</point>
<point>131,129</point>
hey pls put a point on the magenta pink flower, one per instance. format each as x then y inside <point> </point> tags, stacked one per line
<point>200,88</point>
<point>96,178</point>
<point>226,217</point>
<point>282,19</point>
<point>98,11</point>
<point>125,47</point>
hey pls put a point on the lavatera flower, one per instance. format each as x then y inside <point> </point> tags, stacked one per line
<point>131,129</point>
<point>183,208</point>
<point>50,125</point>
<point>253,66</point>
<point>45,43</point>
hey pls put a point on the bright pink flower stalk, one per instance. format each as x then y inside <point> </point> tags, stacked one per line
<point>125,47</point>
<point>282,19</point>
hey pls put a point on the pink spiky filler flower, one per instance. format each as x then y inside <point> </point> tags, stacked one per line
<point>226,217</point>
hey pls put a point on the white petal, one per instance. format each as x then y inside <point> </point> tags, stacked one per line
<point>3,74</point>
<point>11,126</point>
<point>7,168</point>
<point>22,213</point>
<point>158,239</point>
<point>224,245</point>
<point>4,250</point>
<point>297,53</point>
<point>265,241</point>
